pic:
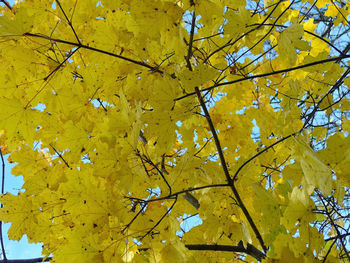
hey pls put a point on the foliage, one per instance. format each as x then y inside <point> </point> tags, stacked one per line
<point>126,118</point>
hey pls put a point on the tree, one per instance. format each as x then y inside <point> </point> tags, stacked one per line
<point>126,118</point>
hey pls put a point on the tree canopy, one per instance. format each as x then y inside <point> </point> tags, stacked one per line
<point>128,119</point>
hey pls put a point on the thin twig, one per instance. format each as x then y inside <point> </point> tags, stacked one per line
<point>48,76</point>
<point>61,64</point>
<point>332,223</point>
<point>334,87</point>
<point>2,192</point>
<point>161,219</point>
<point>60,155</point>
<point>177,193</point>
<point>261,152</point>
<point>308,32</point>
<point>142,207</point>
<point>69,22</point>
<point>329,251</point>
<point>230,43</point>
<point>160,173</point>
<point>190,43</point>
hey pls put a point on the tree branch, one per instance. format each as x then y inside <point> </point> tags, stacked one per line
<point>177,193</point>
<point>266,74</point>
<point>250,250</point>
<point>161,219</point>
<point>140,63</point>
<point>229,180</point>
<point>334,225</point>
<point>30,260</point>
<point>190,43</point>
<point>308,32</point>
<point>6,4</point>
<point>261,152</point>
<point>60,155</point>
<point>1,206</point>
<point>69,22</point>
<point>334,87</point>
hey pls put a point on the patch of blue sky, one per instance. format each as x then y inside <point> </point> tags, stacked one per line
<point>17,249</point>
<point>98,103</point>
<point>40,107</point>
<point>189,222</point>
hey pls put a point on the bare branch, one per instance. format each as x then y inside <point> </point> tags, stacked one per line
<point>7,4</point>
<point>190,43</point>
<point>1,205</point>
<point>69,22</point>
<point>140,63</point>
<point>229,180</point>
<point>267,74</point>
<point>30,260</point>
<point>250,250</point>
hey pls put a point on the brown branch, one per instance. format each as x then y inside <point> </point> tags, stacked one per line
<point>60,155</point>
<point>334,87</point>
<point>329,251</point>
<point>7,4</point>
<point>30,260</point>
<point>161,219</point>
<point>308,32</point>
<point>192,200</point>
<point>266,75</point>
<point>190,43</point>
<point>142,207</point>
<point>49,75</point>
<point>1,205</point>
<point>69,22</point>
<point>140,63</point>
<point>334,225</point>
<point>215,136</point>
<point>149,161</point>
<point>261,152</point>
<point>227,174</point>
<point>336,237</point>
<point>177,193</point>
<point>250,250</point>
<point>230,43</point>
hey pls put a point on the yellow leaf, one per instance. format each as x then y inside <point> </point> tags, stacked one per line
<point>289,40</point>
<point>200,75</point>
<point>316,172</point>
